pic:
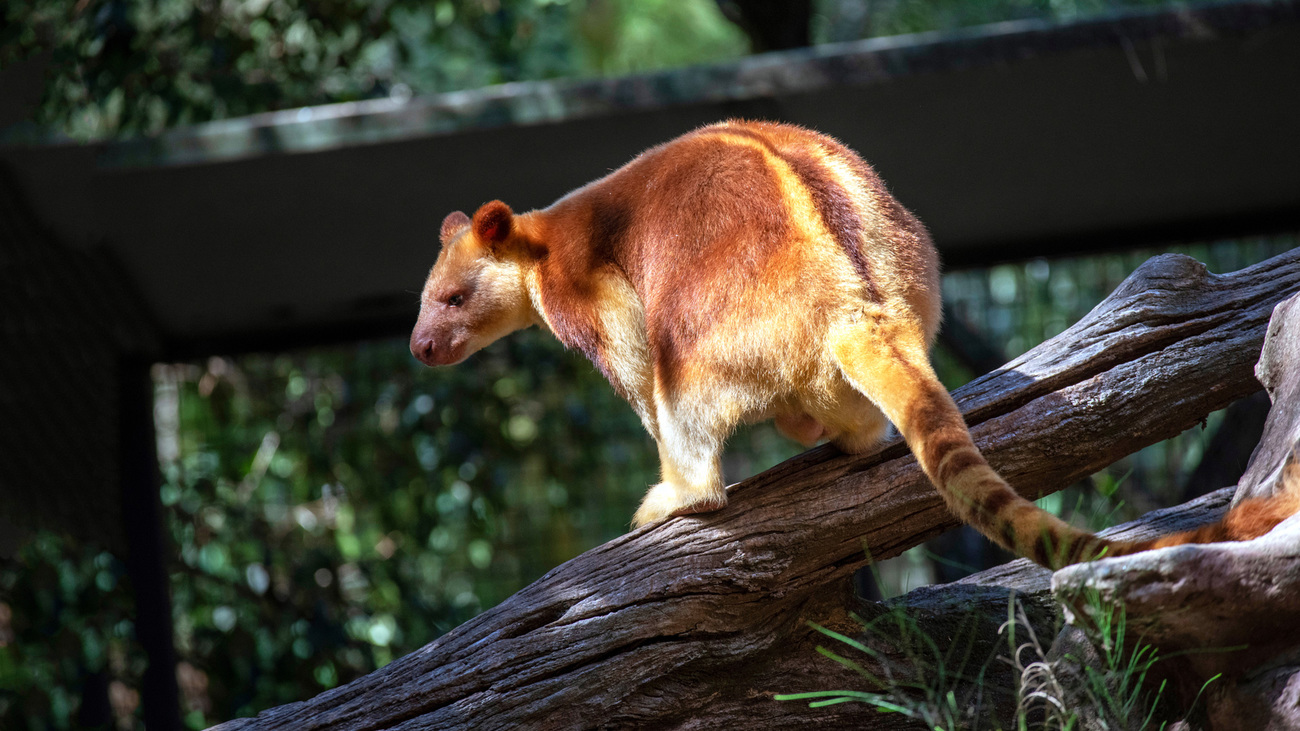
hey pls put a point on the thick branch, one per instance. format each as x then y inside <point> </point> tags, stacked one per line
<point>664,624</point>
<point>1279,371</point>
<point>1238,599</point>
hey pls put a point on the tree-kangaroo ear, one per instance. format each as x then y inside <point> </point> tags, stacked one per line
<point>492,222</point>
<point>453,224</point>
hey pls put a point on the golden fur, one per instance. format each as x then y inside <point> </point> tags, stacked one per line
<point>741,272</point>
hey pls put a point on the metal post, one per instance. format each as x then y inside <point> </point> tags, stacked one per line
<point>147,545</point>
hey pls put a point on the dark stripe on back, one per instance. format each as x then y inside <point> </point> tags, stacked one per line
<point>832,201</point>
<point>901,218</point>
<point>837,212</point>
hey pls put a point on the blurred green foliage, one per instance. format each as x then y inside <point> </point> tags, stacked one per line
<point>332,509</point>
<point>65,618</point>
<point>130,66</point>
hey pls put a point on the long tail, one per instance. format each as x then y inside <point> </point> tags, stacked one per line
<point>886,360</point>
<point>937,434</point>
<point>894,372</point>
<point>975,492</point>
<point>1249,519</point>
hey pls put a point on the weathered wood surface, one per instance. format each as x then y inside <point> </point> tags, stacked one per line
<point>678,624</point>
<point>1188,600</point>
<point>1279,371</point>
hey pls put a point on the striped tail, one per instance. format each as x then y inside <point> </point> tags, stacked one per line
<point>971,488</point>
<point>889,365</point>
<point>937,435</point>
<point>1249,519</point>
<point>886,360</point>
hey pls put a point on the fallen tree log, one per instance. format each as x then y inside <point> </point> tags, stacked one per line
<point>681,624</point>
<point>1225,611</point>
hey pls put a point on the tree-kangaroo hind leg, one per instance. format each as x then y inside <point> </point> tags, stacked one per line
<point>690,464</point>
<point>886,359</point>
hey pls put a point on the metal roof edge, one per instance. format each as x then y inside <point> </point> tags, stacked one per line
<point>853,63</point>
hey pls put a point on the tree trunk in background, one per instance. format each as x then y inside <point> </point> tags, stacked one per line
<point>698,621</point>
<point>772,25</point>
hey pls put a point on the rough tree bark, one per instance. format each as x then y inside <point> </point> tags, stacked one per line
<point>1227,609</point>
<point>696,622</point>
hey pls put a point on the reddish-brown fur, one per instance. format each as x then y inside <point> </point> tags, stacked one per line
<point>745,271</point>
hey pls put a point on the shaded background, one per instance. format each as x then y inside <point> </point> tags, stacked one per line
<point>326,503</point>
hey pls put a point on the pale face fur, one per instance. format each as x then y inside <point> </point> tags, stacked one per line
<point>472,297</point>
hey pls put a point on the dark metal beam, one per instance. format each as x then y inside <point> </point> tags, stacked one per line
<point>1020,139</point>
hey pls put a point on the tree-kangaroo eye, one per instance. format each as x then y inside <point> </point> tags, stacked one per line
<point>456,300</point>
